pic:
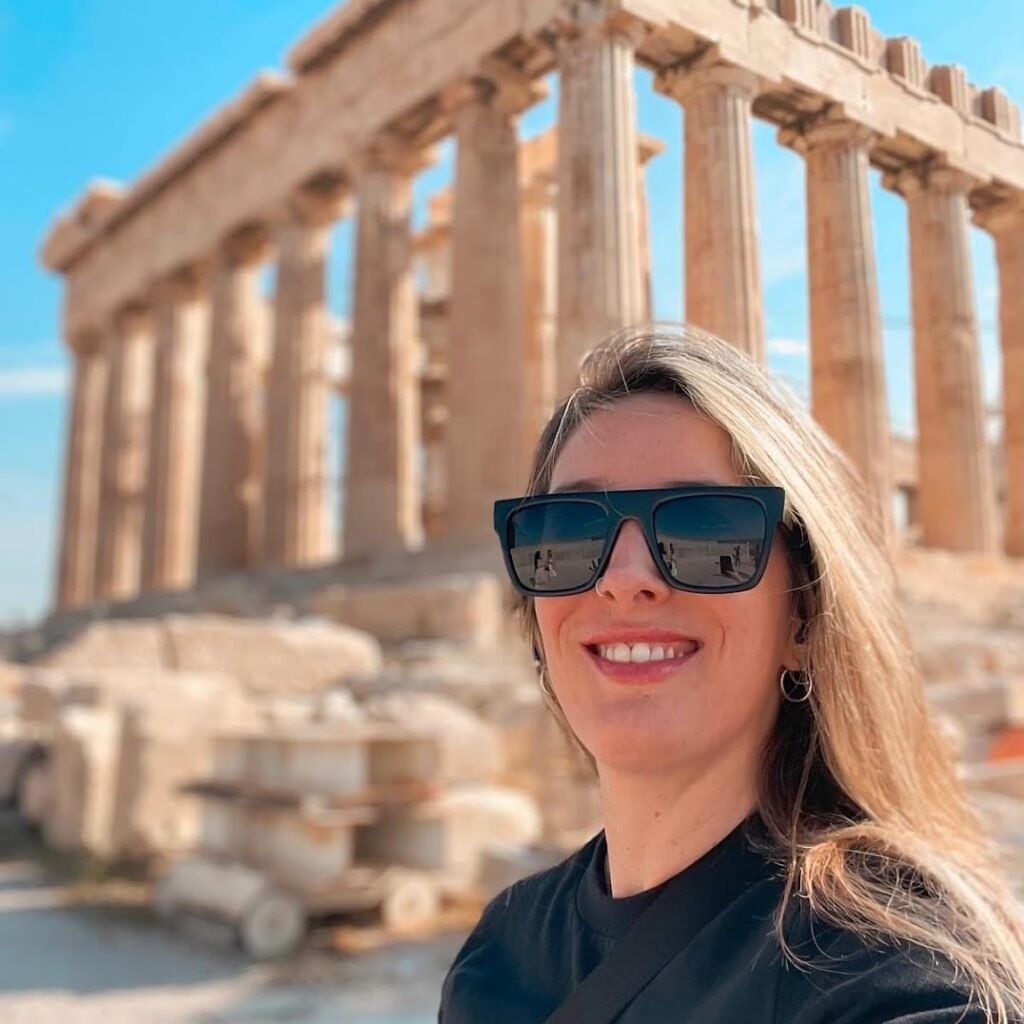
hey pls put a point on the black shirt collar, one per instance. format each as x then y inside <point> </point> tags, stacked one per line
<point>706,887</point>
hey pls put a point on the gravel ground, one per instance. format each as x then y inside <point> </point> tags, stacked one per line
<point>109,962</point>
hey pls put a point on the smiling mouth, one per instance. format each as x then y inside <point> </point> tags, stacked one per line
<point>643,653</point>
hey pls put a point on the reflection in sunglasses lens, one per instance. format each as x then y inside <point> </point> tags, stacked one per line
<point>712,540</point>
<point>556,545</point>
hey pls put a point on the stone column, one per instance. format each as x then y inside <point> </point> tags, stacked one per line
<point>957,500</point>
<point>848,393</point>
<point>1006,223</point>
<point>382,484</point>
<point>126,432</point>
<point>723,265</point>
<point>172,488</point>
<point>600,287</point>
<point>80,520</point>
<point>540,305</point>
<point>229,490</point>
<point>295,492</point>
<point>487,454</point>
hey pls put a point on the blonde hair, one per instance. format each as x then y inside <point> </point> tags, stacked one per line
<point>858,791</point>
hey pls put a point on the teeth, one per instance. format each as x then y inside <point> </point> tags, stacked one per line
<point>643,652</point>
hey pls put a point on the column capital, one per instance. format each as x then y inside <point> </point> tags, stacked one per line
<point>929,176</point>
<point>85,342</point>
<point>588,20</point>
<point>319,202</point>
<point>831,128</point>
<point>1002,217</point>
<point>683,82</point>
<point>183,285</point>
<point>391,155</point>
<point>246,245</point>
<point>133,317</point>
<point>497,83</point>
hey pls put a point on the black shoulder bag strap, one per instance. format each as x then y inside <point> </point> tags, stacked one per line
<point>662,932</point>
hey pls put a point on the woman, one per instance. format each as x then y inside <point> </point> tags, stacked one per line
<point>769,775</point>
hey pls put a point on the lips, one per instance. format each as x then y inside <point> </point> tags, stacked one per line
<point>640,655</point>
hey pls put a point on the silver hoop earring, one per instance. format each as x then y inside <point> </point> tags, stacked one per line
<point>795,688</point>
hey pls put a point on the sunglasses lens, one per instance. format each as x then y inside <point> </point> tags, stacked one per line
<point>711,540</point>
<point>555,546</point>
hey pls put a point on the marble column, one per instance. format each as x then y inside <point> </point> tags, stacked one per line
<point>848,395</point>
<point>539,212</point>
<point>295,486</point>
<point>723,264</point>
<point>957,499</point>
<point>382,484</point>
<point>487,447</point>
<point>172,488</point>
<point>1006,223</point>
<point>230,482</point>
<point>126,432</point>
<point>80,519</point>
<point>600,286</point>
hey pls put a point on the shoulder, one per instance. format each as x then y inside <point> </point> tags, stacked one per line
<point>514,921</point>
<point>849,979</point>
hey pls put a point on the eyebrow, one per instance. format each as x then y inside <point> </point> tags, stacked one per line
<point>600,485</point>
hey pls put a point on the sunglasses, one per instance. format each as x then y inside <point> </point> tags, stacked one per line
<point>704,539</point>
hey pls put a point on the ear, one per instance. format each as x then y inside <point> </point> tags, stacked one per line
<point>794,655</point>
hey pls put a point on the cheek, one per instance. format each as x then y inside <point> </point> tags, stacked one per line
<point>756,624</point>
<point>551,613</point>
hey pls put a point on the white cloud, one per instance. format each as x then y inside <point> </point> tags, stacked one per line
<point>33,382</point>
<point>787,347</point>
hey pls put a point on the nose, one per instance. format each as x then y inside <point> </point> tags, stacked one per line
<point>631,574</point>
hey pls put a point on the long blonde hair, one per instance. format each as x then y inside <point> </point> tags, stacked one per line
<point>858,791</point>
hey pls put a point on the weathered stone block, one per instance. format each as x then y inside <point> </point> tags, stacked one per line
<point>852,27</point>
<point>995,106</point>
<point>264,656</point>
<point>85,758</point>
<point>112,643</point>
<point>451,833</point>
<point>949,83</point>
<point>271,657</point>
<point>903,58</point>
<point>326,760</point>
<point>304,850</point>
<point>465,607</point>
<point>469,748</point>
<point>123,742</point>
<point>799,12</point>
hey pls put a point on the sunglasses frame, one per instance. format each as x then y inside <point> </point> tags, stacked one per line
<point>640,506</point>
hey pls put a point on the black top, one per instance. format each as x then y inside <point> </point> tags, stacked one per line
<point>542,936</point>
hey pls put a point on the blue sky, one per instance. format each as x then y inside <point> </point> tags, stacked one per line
<point>103,87</point>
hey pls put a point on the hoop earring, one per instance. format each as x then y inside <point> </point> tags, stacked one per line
<point>796,689</point>
<point>597,587</point>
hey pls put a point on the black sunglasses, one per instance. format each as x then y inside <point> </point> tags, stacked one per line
<point>704,539</point>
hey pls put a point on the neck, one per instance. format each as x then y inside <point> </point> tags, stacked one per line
<point>657,825</point>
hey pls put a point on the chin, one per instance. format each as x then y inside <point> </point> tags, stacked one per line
<point>644,749</point>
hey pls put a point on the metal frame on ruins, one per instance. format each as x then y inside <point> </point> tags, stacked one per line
<point>379,68</point>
